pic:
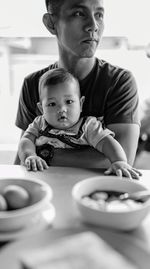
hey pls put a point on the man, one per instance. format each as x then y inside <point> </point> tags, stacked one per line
<point>110,92</point>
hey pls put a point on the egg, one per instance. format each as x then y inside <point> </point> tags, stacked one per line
<point>3,203</point>
<point>16,196</point>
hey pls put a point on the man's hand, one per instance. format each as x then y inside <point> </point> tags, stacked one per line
<point>121,168</point>
<point>35,163</point>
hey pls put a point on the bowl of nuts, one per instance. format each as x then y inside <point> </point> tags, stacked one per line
<point>21,200</point>
<point>111,202</point>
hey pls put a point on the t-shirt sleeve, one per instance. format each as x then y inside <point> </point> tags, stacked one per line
<point>122,104</point>
<point>35,127</point>
<point>27,107</point>
<point>94,131</point>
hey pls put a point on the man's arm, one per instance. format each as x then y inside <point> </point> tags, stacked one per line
<point>27,146</point>
<point>127,135</point>
<point>17,160</point>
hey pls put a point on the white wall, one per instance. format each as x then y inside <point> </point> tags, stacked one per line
<point>122,18</point>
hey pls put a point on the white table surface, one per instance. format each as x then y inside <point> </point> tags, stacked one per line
<point>134,245</point>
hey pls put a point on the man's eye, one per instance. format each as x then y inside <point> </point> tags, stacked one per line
<point>78,14</point>
<point>99,16</point>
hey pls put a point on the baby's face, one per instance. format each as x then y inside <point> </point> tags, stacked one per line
<point>61,104</point>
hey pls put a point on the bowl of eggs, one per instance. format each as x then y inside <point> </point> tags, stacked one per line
<point>22,200</point>
<point>105,201</point>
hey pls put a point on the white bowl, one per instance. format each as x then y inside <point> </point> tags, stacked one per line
<point>40,194</point>
<point>122,220</point>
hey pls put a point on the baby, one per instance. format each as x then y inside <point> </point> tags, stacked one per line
<point>61,126</point>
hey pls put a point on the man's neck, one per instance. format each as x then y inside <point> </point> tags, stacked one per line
<point>78,67</point>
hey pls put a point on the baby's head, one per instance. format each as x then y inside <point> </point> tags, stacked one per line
<point>60,98</point>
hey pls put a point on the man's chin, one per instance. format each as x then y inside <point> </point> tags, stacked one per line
<point>88,51</point>
<point>88,54</point>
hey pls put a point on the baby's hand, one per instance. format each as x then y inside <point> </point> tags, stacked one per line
<point>35,163</point>
<point>121,168</point>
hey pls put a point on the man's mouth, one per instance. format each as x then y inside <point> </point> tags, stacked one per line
<point>90,40</point>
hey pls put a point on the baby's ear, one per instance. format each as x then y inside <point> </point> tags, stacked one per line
<point>82,101</point>
<point>40,107</point>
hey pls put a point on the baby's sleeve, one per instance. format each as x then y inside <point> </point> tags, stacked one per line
<point>94,131</point>
<point>34,127</point>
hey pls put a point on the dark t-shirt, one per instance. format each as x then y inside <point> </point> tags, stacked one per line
<point>110,92</point>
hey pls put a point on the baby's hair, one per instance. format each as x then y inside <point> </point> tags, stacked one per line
<point>53,6</point>
<point>55,76</point>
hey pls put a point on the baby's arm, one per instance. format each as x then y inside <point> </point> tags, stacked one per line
<point>111,148</point>
<point>27,153</point>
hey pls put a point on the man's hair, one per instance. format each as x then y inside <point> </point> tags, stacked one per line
<point>55,76</point>
<point>53,6</point>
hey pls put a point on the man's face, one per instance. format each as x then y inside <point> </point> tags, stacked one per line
<point>79,27</point>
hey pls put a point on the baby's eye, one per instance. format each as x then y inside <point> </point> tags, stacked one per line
<point>69,102</point>
<point>52,104</point>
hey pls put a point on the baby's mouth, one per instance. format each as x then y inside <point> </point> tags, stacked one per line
<point>62,118</point>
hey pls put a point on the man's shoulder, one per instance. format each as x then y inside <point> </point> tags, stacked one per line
<point>111,69</point>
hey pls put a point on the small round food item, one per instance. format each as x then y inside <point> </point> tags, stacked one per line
<point>16,196</point>
<point>117,206</point>
<point>88,201</point>
<point>106,200</point>
<point>3,203</point>
<point>133,204</point>
<point>99,195</point>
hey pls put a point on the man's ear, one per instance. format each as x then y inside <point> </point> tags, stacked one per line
<point>40,107</point>
<point>81,102</point>
<point>49,23</point>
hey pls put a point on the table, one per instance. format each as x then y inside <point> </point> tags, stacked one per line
<point>61,179</point>
<point>134,245</point>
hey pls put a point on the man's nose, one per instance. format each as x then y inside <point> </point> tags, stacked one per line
<point>91,24</point>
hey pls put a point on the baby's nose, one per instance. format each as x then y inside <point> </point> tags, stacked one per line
<point>62,109</point>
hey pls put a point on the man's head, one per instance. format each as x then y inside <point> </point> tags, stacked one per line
<point>53,6</point>
<point>77,24</point>
<point>60,100</point>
